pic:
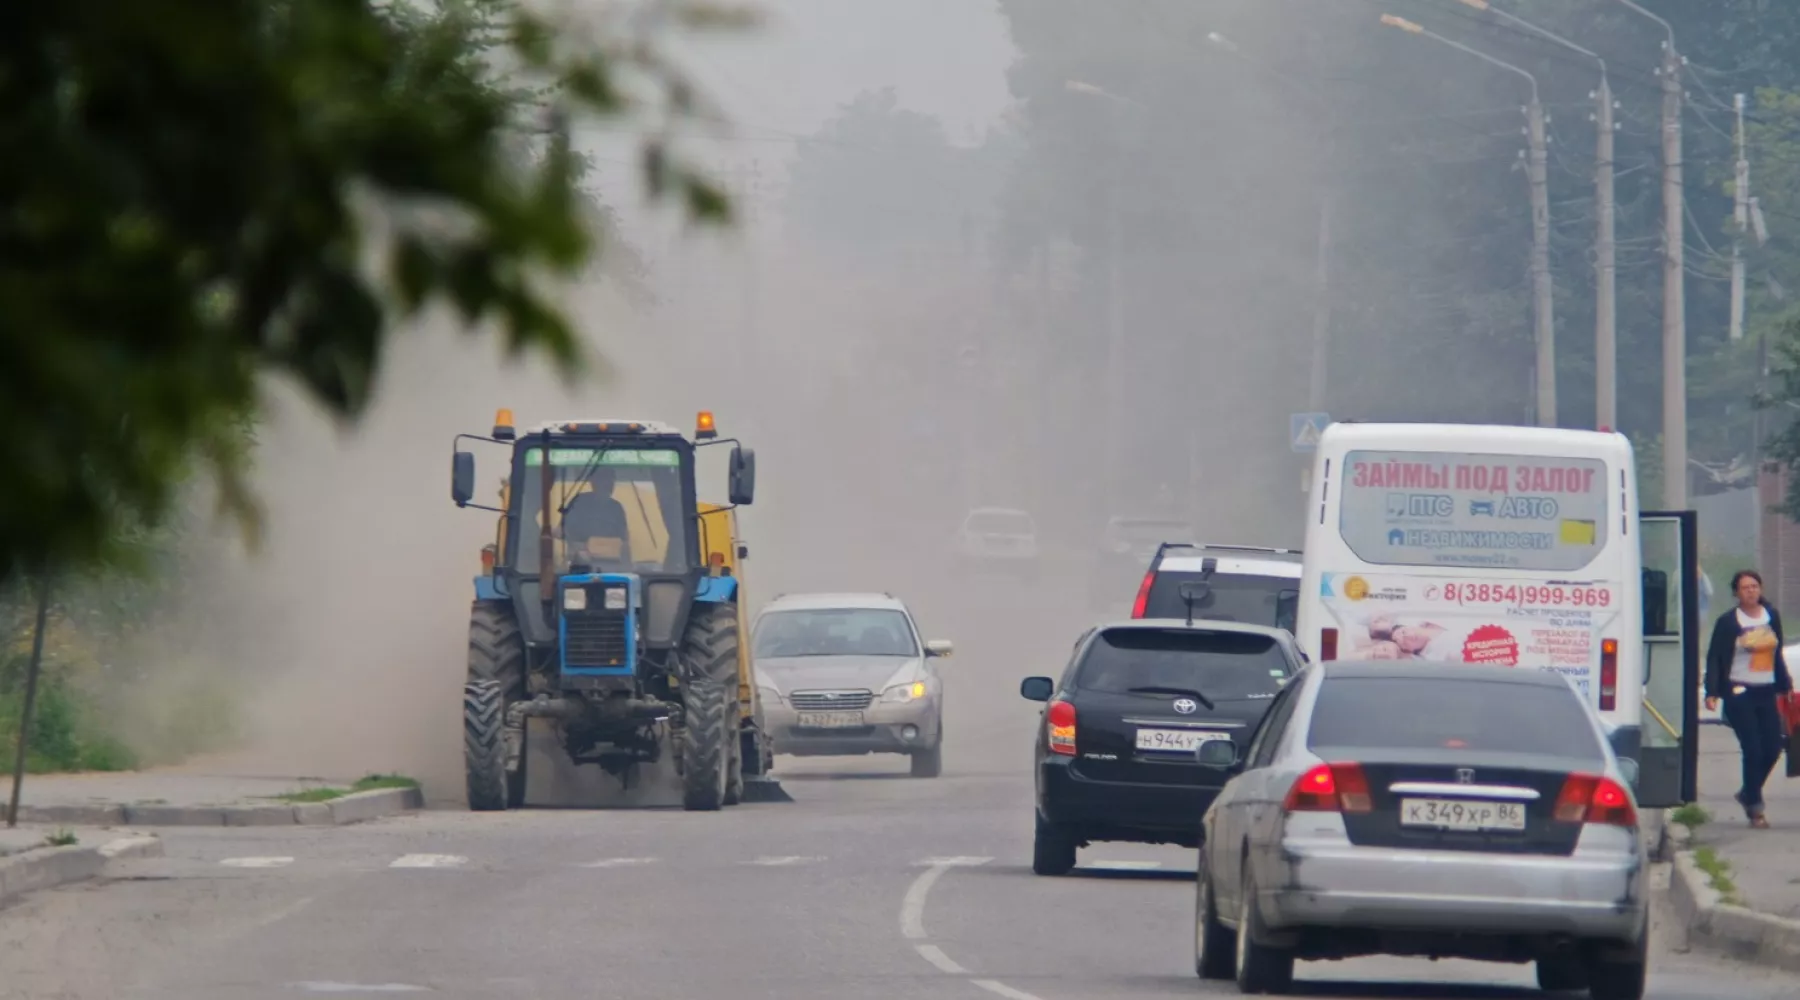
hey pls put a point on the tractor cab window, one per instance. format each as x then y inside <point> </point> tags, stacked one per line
<point>612,509</point>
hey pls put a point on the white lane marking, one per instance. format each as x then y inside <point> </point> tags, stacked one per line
<point>618,862</point>
<point>912,908</point>
<point>795,859</point>
<point>257,862</point>
<point>328,987</point>
<point>957,860</point>
<point>1129,866</point>
<point>935,955</point>
<point>428,861</point>
<point>1001,989</point>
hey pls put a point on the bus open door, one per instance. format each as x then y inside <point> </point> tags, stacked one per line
<point>1669,755</point>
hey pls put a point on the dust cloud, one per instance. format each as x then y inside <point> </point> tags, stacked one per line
<point>905,327</point>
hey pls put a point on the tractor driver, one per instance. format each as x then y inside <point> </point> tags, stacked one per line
<point>593,523</point>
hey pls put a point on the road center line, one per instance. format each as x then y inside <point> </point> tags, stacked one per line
<point>935,955</point>
<point>1001,989</point>
<point>257,862</point>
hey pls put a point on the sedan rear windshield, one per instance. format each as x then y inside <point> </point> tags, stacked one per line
<point>1231,597</point>
<point>1391,713</point>
<point>1223,666</point>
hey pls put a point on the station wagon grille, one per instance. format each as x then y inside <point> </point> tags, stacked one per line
<point>826,701</point>
<point>596,638</point>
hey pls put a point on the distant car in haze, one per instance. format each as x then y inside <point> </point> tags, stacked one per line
<point>1115,750</point>
<point>1404,809</point>
<point>1127,545</point>
<point>848,674</point>
<point>998,539</point>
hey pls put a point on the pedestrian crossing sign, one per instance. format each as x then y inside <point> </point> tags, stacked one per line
<point>1304,430</point>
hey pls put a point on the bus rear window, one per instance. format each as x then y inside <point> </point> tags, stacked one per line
<point>1419,508</point>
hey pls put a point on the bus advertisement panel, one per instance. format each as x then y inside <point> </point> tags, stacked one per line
<point>1490,558</point>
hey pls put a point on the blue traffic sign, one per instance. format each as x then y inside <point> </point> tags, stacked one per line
<point>1304,430</point>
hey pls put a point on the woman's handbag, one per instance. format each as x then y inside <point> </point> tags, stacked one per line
<point>1789,706</point>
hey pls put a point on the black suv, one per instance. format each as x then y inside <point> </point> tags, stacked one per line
<point>1232,583</point>
<point>1116,750</point>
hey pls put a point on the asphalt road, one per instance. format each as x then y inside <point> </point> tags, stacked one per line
<point>872,884</point>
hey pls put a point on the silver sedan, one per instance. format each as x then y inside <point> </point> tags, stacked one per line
<point>1417,810</point>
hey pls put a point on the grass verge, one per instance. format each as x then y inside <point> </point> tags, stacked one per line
<point>1691,816</point>
<point>61,838</point>
<point>370,783</point>
<point>1718,874</point>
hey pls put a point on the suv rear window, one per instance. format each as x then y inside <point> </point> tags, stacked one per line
<point>1224,666</point>
<point>1258,600</point>
<point>1392,713</point>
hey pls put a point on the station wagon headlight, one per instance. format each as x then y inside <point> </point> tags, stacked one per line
<point>768,694</point>
<point>615,598</point>
<point>575,599</point>
<point>904,692</point>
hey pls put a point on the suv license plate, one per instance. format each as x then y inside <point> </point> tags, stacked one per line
<point>829,720</point>
<point>1176,740</point>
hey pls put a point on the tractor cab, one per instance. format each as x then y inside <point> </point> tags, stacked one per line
<point>600,544</point>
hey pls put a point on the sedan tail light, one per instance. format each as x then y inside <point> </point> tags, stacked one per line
<point>1142,604</point>
<point>1594,798</point>
<point>1060,720</point>
<point>1330,788</point>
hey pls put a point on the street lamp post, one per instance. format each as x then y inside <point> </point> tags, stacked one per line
<point>1606,344</point>
<point>1537,169</point>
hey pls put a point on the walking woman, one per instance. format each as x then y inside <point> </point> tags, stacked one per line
<point>1746,670</point>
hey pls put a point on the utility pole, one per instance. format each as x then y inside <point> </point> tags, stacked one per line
<point>1606,269</point>
<point>1321,334</point>
<point>1538,170</point>
<point>1743,223</point>
<point>1537,158</point>
<point>1674,443</point>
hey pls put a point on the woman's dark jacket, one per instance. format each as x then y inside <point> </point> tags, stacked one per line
<point>1723,647</point>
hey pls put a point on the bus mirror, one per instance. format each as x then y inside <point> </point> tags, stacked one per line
<point>1656,602</point>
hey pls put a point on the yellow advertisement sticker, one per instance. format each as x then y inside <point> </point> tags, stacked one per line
<point>1578,532</point>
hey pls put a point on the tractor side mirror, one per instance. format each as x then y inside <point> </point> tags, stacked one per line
<point>742,484</point>
<point>462,478</point>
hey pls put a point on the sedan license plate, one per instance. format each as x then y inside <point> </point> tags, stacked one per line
<point>1455,814</point>
<point>829,720</point>
<point>1176,740</point>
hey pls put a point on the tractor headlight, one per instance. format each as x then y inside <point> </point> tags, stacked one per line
<point>615,598</point>
<point>904,692</point>
<point>575,599</point>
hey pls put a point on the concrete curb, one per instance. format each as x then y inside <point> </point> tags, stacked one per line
<point>1726,927</point>
<point>357,807</point>
<point>49,867</point>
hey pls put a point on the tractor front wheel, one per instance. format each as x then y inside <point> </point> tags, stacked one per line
<point>496,676</point>
<point>709,669</point>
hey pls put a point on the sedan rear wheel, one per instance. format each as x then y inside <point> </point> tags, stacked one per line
<point>1260,967</point>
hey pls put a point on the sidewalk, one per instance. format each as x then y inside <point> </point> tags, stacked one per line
<point>203,796</point>
<point>1737,890</point>
<point>1765,863</point>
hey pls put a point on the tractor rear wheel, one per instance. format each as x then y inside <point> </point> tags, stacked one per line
<point>709,674</point>
<point>496,678</point>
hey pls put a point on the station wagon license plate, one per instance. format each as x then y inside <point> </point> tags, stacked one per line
<point>829,720</point>
<point>1176,740</point>
<point>1457,814</point>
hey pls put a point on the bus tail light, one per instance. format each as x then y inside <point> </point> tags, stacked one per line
<point>1142,604</point>
<point>1060,718</point>
<point>1593,798</point>
<point>1330,788</point>
<point>1609,675</point>
<point>1328,644</point>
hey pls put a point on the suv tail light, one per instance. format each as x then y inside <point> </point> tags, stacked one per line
<point>1327,644</point>
<point>1609,674</point>
<point>1330,788</point>
<point>1060,718</point>
<point>1142,604</point>
<point>1594,798</point>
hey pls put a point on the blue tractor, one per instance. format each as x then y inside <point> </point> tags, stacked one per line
<point>608,607</point>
